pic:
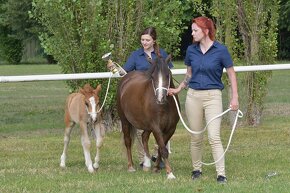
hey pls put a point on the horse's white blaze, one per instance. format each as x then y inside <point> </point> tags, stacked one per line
<point>160,86</point>
<point>93,113</point>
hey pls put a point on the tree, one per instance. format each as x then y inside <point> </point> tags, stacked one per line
<point>284,30</point>
<point>16,28</point>
<point>78,33</point>
<point>258,22</point>
<point>10,44</point>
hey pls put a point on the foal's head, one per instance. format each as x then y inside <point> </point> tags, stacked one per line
<point>91,100</point>
<point>161,77</point>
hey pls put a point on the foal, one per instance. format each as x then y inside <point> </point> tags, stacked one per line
<point>82,107</point>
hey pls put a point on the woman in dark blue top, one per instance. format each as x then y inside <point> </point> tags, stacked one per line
<point>138,60</point>
<point>205,60</point>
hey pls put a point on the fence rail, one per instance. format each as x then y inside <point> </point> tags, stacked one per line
<point>29,78</point>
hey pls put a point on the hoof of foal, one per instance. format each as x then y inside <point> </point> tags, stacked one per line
<point>170,176</point>
<point>131,169</point>
<point>91,169</point>
<point>146,169</point>
<point>62,165</point>
<point>96,166</point>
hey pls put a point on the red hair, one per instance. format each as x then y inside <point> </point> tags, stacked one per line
<point>205,23</point>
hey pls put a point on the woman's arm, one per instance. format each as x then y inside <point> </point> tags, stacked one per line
<point>234,103</point>
<point>183,84</point>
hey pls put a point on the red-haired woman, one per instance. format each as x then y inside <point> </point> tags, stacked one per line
<point>205,60</point>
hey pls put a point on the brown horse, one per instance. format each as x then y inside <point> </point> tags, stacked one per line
<point>143,103</point>
<point>83,108</point>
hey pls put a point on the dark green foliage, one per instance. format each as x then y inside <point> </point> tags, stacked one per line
<point>284,30</point>
<point>10,47</point>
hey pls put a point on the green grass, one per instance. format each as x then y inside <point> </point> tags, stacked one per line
<point>31,142</point>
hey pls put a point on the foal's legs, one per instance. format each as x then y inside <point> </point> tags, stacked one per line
<point>67,132</point>
<point>86,146</point>
<point>99,133</point>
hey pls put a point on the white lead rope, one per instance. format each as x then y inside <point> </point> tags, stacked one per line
<point>238,115</point>
<point>109,81</point>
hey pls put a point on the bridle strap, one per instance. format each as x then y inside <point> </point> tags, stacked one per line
<point>160,88</point>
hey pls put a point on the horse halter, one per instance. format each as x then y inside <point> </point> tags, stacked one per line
<point>160,88</point>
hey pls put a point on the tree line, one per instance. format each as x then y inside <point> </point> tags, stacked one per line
<point>77,33</point>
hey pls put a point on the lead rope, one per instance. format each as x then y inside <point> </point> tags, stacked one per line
<point>106,93</point>
<point>238,115</point>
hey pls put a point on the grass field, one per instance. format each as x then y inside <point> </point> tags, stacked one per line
<point>31,142</point>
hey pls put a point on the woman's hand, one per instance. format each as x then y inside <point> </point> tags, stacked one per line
<point>234,104</point>
<point>174,91</point>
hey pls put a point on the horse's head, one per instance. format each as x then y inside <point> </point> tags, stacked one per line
<point>91,100</point>
<point>161,77</point>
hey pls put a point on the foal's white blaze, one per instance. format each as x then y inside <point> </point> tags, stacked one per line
<point>160,83</point>
<point>93,113</point>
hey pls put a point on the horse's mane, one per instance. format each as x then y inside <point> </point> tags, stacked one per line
<point>154,64</point>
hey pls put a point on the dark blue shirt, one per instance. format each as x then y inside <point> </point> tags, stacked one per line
<point>207,69</point>
<point>137,60</point>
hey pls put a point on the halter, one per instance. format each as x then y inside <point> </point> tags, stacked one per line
<point>93,114</point>
<point>160,88</point>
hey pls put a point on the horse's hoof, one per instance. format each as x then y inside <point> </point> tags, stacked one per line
<point>170,176</point>
<point>156,170</point>
<point>131,169</point>
<point>146,169</point>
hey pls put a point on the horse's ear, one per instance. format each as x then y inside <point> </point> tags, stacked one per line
<point>98,89</point>
<point>82,91</point>
<point>168,59</point>
<point>149,59</point>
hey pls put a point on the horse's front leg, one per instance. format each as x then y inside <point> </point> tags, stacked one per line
<point>67,132</point>
<point>147,160</point>
<point>86,143</point>
<point>163,152</point>
<point>99,133</point>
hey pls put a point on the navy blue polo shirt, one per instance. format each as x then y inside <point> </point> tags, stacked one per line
<point>137,60</point>
<point>207,69</point>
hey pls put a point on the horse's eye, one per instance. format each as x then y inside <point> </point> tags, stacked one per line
<point>87,104</point>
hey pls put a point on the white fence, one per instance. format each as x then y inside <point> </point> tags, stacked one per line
<point>28,78</point>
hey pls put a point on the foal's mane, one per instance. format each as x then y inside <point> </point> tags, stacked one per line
<point>87,89</point>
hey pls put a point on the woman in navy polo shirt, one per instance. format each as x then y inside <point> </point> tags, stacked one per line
<point>205,60</point>
<point>138,60</point>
